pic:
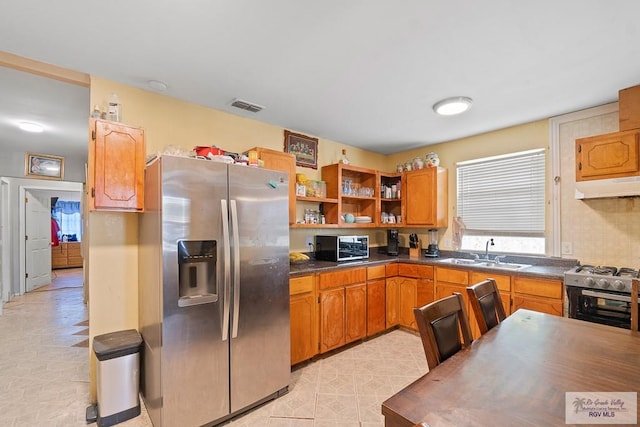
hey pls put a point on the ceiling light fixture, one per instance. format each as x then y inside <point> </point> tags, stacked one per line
<point>452,106</point>
<point>157,85</point>
<point>31,127</point>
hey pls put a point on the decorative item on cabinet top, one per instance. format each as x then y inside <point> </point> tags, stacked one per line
<point>305,148</point>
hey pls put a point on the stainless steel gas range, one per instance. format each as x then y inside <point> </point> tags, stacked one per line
<point>600,294</point>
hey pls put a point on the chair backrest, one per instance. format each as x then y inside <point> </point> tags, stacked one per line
<point>635,286</point>
<point>486,304</point>
<point>441,323</point>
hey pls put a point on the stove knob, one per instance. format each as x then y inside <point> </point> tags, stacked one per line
<point>604,284</point>
<point>619,285</point>
<point>590,282</point>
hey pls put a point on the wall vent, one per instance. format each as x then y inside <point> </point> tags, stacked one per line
<point>248,106</point>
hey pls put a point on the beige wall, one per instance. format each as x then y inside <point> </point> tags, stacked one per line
<point>600,231</point>
<point>509,140</point>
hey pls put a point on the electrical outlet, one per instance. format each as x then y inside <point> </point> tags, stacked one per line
<point>309,242</point>
<point>567,248</point>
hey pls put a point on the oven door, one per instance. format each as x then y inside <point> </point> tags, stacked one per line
<point>598,306</point>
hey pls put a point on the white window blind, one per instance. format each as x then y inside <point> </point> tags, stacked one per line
<point>503,195</point>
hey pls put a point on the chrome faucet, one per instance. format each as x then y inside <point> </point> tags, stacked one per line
<point>486,249</point>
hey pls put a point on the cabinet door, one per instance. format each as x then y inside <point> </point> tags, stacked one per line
<point>332,319</point>
<point>376,306</point>
<point>393,301</point>
<point>302,316</point>
<point>607,156</point>
<point>284,162</point>
<point>356,312</point>
<point>426,197</point>
<point>425,292</point>
<point>116,167</point>
<point>408,301</point>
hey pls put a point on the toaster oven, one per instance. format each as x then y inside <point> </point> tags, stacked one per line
<point>342,248</point>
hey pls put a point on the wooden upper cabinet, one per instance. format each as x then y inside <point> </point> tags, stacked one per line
<point>115,173</point>
<point>426,197</point>
<point>629,108</point>
<point>611,155</point>
<point>283,162</point>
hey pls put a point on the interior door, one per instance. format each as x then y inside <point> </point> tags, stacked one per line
<point>38,240</point>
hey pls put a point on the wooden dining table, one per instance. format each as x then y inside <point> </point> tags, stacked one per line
<point>518,374</point>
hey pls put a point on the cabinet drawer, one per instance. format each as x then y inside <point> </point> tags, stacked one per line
<point>73,250</point>
<point>503,282</point>
<point>342,277</point>
<point>391,270</point>
<point>376,272</point>
<point>415,270</point>
<point>299,285</point>
<point>452,275</point>
<point>537,287</point>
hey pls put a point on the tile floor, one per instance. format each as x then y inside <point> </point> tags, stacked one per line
<point>44,370</point>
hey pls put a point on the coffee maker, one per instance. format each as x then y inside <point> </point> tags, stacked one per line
<point>392,242</point>
<point>432,249</point>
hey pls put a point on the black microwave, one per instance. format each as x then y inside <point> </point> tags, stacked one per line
<point>342,248</point>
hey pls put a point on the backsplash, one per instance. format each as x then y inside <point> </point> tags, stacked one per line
<point>601,231</point>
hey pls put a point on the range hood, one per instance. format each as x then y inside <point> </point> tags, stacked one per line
<point>612,187</point>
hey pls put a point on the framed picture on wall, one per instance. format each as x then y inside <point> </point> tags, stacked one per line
<point>303,147</point>
<point>44,166</point>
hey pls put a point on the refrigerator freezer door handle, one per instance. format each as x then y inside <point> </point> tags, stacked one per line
<point>236,269</point>
<point>227,269</point>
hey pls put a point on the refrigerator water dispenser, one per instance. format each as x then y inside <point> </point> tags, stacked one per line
<point>197,272</point>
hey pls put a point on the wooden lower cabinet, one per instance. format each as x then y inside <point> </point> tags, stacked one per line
<point>332,319</point>
<point>504,286</point>
<point>541,295</point>
<point>343,307</point>
<point>376,306</point>
<point>303,324</point>
<point>415,284</point>
<point>393,301</point>
<point>356,312</point>
<point>408,300</point>
<point>66,254</point>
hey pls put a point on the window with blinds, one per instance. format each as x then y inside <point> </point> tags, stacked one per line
<point>504,196</point>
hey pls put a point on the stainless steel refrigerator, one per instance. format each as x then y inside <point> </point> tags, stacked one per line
<point>213,290</point>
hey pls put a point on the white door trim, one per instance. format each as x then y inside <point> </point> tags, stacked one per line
<point>37,185</point>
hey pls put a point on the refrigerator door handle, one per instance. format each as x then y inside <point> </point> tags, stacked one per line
<point>236,269</point>
<point>227,269</point>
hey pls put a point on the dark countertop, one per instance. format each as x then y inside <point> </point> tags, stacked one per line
<point>541,267</point>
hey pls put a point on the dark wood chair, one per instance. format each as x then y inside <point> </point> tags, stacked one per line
<point>486,304</point>
<point>441,324</point>
<point>635,286</point>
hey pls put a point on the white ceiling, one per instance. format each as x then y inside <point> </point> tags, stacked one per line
<point>360,72</point>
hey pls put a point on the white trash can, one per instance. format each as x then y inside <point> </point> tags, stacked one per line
<point>118,376</point>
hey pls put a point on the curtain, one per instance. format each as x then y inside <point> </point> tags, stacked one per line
<point>69,218</point>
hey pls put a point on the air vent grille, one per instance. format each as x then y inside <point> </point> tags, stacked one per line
<point>248,106</point>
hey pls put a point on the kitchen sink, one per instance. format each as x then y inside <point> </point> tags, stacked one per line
<point>459,261</point>
<point>503,265</point>
<point>484,263</point>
